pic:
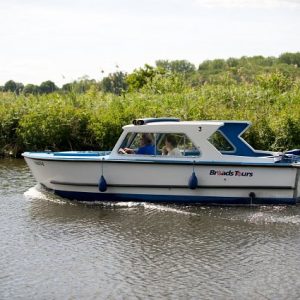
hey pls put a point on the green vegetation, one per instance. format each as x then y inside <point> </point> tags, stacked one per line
<point>89,115</point>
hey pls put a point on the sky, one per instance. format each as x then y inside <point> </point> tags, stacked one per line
<point>64,40</point>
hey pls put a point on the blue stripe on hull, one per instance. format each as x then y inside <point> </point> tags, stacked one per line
<point>82,196</point>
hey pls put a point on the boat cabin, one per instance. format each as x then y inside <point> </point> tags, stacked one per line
<point>169,138</point>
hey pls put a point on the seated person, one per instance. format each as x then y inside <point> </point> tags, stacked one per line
<point>170,147</point>
<point>146,146</point>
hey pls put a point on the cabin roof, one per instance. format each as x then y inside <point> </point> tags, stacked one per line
<point>179,124</point>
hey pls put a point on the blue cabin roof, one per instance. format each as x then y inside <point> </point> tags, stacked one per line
<point>233,131</point>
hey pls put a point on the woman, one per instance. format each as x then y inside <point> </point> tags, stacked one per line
<point>170,147</point>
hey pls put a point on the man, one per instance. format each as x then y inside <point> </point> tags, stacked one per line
<point>147,146</point>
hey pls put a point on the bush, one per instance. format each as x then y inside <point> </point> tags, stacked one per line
<point>83,118</point>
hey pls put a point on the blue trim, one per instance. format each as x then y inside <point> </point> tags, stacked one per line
<point>295,152</point>
<point>233,131</point>
<point>81,153</point>
<point>180,199</point>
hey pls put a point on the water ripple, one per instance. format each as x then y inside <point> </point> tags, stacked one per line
<point>53,248</point>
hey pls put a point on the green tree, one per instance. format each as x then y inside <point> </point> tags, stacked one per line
<point>205,65</point>
<point>81,85</point>
<point>20,87</point>
<point>31,89</point>
<point>290,58</point>
<point>216,64</point>
<point>67,87</point>
<point>140,77</point>
<point>176,66</point>
<point>232,62</point>
<point>48,87</point>
<point>114,83</point>
<point>10,86</point>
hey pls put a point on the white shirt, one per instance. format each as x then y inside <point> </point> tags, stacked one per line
<point>174,152</point>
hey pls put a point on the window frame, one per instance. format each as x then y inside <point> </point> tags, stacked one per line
<point>227,140</point>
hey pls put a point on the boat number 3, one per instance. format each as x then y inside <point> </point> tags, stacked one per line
<point>199,128</point>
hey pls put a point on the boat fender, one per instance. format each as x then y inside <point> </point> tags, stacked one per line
<point>252,197</point>
<point>193,181</point>
<point>102,184</point>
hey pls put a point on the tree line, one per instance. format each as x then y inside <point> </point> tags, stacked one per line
<point>244,69</point>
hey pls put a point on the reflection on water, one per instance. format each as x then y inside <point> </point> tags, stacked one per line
<point>57,249</point>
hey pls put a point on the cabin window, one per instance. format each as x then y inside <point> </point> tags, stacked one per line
<point>176,145</point>
<point>128,139</point>
<point>218,140</point>
<point>139,143</point>
<point>159,144</point>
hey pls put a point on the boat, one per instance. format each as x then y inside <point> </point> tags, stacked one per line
<point>203,162</point>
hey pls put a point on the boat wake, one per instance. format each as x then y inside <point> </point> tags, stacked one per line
<point>166,208</point>
<point>267,218</point>
<point>133,205</point>
<point>38,193</point>
<point>265,215</point>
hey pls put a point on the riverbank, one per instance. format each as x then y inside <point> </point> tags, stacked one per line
<point>93,120</point>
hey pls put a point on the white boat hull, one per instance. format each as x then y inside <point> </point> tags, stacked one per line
<point>218,183</point>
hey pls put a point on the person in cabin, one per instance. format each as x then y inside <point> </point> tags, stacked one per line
<point>147,146</point>
<point>170,148</point>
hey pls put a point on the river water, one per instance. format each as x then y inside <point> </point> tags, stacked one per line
<point>54,249</point>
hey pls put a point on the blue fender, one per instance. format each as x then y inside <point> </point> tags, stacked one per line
<point>102,184</point>
<point>193,181</point>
